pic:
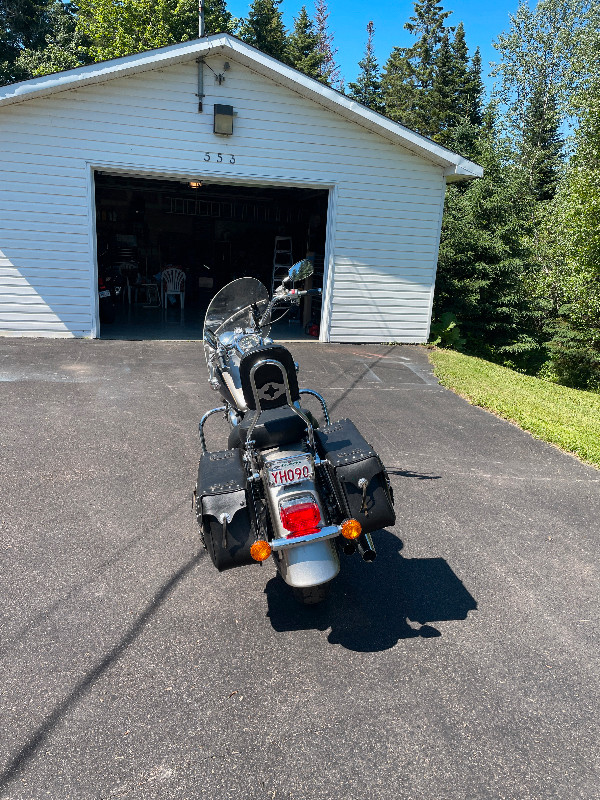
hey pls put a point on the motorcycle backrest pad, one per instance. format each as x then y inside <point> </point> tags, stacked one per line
<point>221,490</point>
<point>352,459</point>
<point>268,381</point>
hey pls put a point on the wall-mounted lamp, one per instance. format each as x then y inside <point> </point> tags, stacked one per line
<point>223,120</point>
<point>195,184</point>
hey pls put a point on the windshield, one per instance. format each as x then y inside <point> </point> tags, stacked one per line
<point>232,307</point>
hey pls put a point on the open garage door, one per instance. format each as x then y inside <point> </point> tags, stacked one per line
<point>165,247</point>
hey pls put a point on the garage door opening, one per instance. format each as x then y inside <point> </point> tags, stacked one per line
<point>193,237</point>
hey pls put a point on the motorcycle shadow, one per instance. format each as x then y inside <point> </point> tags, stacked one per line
<point>371,606</point>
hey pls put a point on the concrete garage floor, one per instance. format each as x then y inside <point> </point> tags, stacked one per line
<point>461,665</point>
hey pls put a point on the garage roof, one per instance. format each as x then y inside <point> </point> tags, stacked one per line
<point>455,166</point>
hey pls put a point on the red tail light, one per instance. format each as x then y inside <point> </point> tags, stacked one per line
<point>300,516</point>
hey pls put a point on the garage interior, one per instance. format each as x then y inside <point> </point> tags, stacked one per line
<point>213,233</point>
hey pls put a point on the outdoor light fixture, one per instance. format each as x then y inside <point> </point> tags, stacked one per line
<point>195,184</point>
<point>223,120</point>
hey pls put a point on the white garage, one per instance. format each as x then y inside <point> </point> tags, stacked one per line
<point>214,159</point>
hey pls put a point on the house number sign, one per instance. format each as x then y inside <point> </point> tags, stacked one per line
<point>220,158</point>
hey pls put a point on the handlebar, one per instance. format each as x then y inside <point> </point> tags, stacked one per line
<point>287,294</point>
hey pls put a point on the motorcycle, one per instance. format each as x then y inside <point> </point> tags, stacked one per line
<point>111,287</point>
<point>285,487</point>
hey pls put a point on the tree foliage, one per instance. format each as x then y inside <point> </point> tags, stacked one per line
<point>409,73</point>
<point>483,257</point>
<point>65,46</point>
<point>117,28</point>
<point>329,72</point>
<point>24,25</point>
<point>541,144</point>
<point>263,28</point>
<point>541,53</point>
<point>432,86</point>
<point>567,249</point>
<point>302,47</point>
<point>367,87</point>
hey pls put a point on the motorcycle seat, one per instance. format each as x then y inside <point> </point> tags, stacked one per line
<point>276,427</point>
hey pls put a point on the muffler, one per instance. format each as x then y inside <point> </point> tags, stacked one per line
<point>366,548</point>
<point>347,546</point>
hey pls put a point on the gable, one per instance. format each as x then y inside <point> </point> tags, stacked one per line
<point>225,46</point>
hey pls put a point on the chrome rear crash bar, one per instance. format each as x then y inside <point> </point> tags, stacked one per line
<point>329,532</point>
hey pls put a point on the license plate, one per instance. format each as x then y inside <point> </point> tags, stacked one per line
<point>105,293</point>
<point>291,470</point>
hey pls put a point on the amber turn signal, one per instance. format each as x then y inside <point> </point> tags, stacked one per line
<point>351,529</point>
<point>260,550</point>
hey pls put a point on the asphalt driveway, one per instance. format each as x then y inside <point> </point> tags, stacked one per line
<point>461,665</point>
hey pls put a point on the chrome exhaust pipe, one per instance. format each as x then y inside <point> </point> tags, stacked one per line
<point>347,546</point>
<point>366,548</point>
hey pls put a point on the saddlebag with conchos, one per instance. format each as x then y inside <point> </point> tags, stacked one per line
<point>359,474</point>
<point>222,509</point>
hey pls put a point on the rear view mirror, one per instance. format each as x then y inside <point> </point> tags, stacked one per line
<point>300,270</point>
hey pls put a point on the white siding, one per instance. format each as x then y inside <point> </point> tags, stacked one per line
<point>384,217</point>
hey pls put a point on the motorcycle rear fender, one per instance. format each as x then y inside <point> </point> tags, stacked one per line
<point>308,564</point>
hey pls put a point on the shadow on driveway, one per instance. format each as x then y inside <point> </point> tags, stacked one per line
<point>370,605</point>
<point>55,717</point>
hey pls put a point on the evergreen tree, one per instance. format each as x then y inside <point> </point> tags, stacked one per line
<point>484,258</point>
<point>541,150</point>
<point>264,28</point>
<point>302,50</point>
<point>367,89</point>
<point>329,72</point>
<point>444,95</point>
<point>464,109</point>
<point>410,71</point>
<point>474,91</point>
<point>217,19</point>
<point>460,72</point>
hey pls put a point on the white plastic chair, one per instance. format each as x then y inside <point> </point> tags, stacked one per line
<point>172,281</point>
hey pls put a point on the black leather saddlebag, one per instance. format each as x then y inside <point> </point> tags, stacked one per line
<point>359,474</point>
<point>221,490</point>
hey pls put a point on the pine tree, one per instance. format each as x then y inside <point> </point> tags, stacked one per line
<point>367,89</point>
<point>409,72</point>
<point>484,257</point>
<point>217,19</point>
<point>302,50</point>
<point>329,72</point>
<point>264,28</point>
<point>474,90</point>
<point>457,94</point>
<point>460,72</point>
<point>541,151</point>
<point>444,93</point>
<point>463,136</point>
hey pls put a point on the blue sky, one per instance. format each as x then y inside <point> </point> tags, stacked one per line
<point>348,20</point>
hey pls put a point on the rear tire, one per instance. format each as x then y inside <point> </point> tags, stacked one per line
<point>311,595</point>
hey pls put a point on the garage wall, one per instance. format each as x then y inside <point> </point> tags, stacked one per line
<point>385,219</point>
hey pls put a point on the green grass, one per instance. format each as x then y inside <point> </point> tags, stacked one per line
<point>568,418</point>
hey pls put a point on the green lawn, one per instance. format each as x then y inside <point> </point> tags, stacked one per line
<point>565,417</point>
